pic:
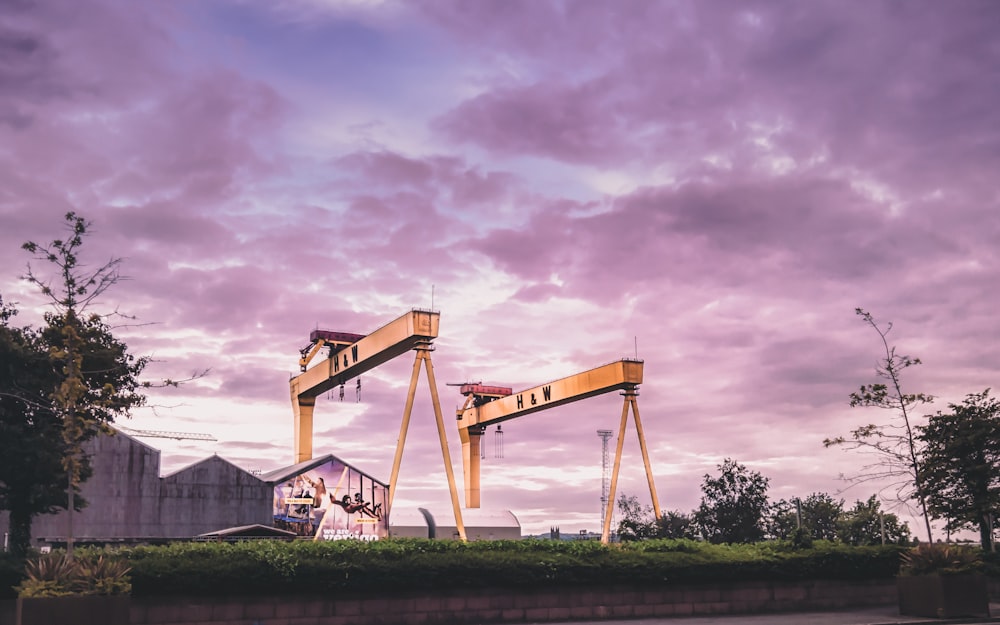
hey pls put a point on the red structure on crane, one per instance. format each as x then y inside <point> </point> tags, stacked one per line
<point>330,336</point>
<point>483,393</point>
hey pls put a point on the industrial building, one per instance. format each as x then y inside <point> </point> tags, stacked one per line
<point>479,524</point>
<point>128,501</point>
<point>328,499</point>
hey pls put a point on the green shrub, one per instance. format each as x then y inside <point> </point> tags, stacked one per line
<point>48,576</point>
<point>93,573</point>
<point>940,559</point>
<point>11,574</point>
<point>351,567</point>
<point>102,575</point>
<point>990,563</point>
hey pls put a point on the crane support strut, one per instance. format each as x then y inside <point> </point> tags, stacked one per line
<point>630,395</point>
<point>475,416</point>
<point>415,330</point>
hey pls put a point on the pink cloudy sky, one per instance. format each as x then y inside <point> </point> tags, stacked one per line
<point>717,183</point>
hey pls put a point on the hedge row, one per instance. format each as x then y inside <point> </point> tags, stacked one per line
<point>266,567</point>
<point>11,574</point>
<point>411,564</point>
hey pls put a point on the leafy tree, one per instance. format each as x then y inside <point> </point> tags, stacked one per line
<point>961,464</point>
<point>894,445</point>
<point>676,524</point>
<point>819,514</point>
<point>636,521</point>
<point>639,523</point>
<point>782,522</point>
<point>865,523</point>
<point>31,477</point>
<point>733,506</point>
<point>69,380</point>
<point>34,473</point>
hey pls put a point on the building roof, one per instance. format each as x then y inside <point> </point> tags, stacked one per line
<point>410,517</point>
<point>443,516</point>
<point>249,531</point>
<point>280,475</point>
<point>214,458</point>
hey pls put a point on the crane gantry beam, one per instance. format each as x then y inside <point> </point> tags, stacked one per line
<point>482,410</point>
<point>610,377</point>
<point>351,360</point>
<point>347,362</point>
<point>415,330</point>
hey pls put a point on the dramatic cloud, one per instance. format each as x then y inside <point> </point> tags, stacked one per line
<point>710,186</point>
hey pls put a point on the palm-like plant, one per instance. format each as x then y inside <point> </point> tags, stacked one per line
<point>57,575</point>
<point>932,558</point>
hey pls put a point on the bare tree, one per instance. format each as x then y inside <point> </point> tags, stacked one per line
<point>893,445</point>
<point>96,378</point>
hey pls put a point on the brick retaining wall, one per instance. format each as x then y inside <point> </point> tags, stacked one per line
<point>494,606</point>
<point>497,606</point>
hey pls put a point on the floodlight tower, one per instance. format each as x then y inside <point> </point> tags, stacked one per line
<point>605,472</point>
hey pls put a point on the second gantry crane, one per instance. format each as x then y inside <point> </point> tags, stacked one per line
<point>491,405</point>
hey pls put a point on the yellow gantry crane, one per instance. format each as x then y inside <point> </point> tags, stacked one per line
<point>491,405</point>
<point>351,355</point>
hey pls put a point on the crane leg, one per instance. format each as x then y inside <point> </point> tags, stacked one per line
<point>471,454</point>
<point>449,470</point>
<point>302,407</point>
<point>645,455</point>
<point>606,530</point>
<point>471,439</point>
<point>403,427</point>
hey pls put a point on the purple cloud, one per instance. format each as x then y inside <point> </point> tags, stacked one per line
<point>713,187</point>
